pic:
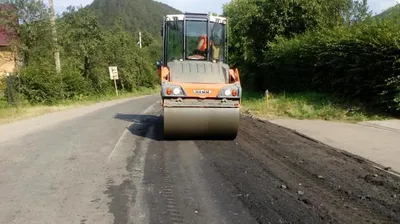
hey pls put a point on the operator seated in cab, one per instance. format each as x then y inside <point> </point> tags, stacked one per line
<point>201,51</point>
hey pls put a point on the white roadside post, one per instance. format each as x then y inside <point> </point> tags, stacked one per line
<point>114,76</point>
<point>8,84</point>
<point>140,40</point>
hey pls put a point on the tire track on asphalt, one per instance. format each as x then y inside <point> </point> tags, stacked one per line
<point>169,195</point>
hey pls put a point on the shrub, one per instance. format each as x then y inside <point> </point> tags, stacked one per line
<point>75,86</point>
<point>360,62</point>
<point>40,84</point>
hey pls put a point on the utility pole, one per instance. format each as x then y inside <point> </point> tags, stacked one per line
<point>140,40</point>
<point>54,32</point>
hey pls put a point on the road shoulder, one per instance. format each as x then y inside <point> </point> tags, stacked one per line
<point>376,142</point>
<point>29,125</point>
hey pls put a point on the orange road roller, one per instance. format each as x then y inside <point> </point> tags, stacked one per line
<point>201,94</point>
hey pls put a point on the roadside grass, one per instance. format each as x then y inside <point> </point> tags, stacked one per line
<point>25,110</point>
<point>309,105</point>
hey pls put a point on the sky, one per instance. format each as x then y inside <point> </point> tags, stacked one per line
<point>377,6</point>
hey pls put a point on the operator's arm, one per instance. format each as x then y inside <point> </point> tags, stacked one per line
<point>201,42</point>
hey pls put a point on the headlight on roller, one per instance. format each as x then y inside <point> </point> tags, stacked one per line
<point>173,91</point>
<point>228,92</point>
<point>177,91</point>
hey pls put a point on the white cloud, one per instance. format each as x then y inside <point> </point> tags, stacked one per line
<point>378,6</point>
<point>61,5</point>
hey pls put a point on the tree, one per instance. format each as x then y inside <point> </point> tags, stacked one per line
<point>88,50</point>
<point>358,12</point>
<point>81,36</point>
<point>255,24</point>
<point>135,14</point>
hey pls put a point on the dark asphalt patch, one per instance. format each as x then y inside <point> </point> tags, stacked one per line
<point>322,185</point>
<point>120,200</point>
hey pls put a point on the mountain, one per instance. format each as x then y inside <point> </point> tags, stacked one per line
<point>392,13</point>
<point>145,15</point>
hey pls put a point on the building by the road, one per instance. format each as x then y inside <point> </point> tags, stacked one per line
<point>8,25</point>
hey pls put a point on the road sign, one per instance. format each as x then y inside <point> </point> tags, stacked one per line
<point>114,76</point>
<point>113,72</point>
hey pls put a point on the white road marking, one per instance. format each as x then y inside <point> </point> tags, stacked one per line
<point>126,131</point>
<point>118,143</point>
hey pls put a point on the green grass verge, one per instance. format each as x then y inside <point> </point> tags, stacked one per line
<point>24,110</point>
<point>311,106</point>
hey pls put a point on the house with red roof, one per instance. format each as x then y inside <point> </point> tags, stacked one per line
<point>8,26</point>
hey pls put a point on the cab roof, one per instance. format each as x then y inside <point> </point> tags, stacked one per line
<point>180,17</point>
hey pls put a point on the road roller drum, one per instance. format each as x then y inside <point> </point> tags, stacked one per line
<point>201,123</point>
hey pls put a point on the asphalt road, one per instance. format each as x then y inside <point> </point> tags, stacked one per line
<point>111,165</point>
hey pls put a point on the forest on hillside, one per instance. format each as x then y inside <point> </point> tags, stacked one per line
<point>328,46</point>
<point>88,46</point>
<point>134,15</point>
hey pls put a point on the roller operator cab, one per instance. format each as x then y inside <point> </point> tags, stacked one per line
<point>200,93</point>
